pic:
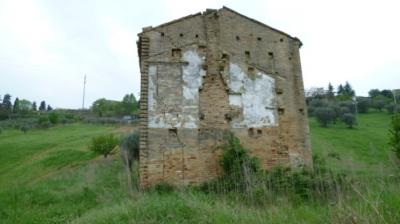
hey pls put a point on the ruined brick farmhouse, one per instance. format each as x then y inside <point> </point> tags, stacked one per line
<point>211,73</point>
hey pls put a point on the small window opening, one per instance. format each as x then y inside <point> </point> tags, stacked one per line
<point>250,70</point>
<point>281,40</point>
<point>301,110</point>
<point>162,34</point>
<point>201,116</point>
<point>181,34</point>
<point>259,38</point>
<point>271,54</point>
<point>224,56</point>
<point>279,91</point>
<point>237,38</point>
<point>251,131</point>
<point>290,58</point>
<point>228,117</point>
<point>259,131</point>
<point>197,36</point>
<point>281,111</point>
<point>247,53</point>
<point>176,52</point>
<point>172,131</point>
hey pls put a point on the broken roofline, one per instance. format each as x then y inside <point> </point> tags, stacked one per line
<point>150,28</point>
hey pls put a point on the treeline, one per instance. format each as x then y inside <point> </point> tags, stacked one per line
<point>20,107</point>
<point>329,106</point>
<point>129,106</point>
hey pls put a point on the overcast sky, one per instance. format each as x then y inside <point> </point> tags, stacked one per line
<point>46,47</point>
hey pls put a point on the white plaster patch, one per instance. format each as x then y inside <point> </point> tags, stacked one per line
<point>235,100</point>
<point>191,76</point>
<point>257,97</point>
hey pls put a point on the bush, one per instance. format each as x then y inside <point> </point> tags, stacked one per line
<point>363,105</point>
<point>378,104</point>
<point>395,134</point>
<point>53,118</point>
<point>103,144</point>
<point>235,159</point>
<point>324,115</point>
<point>129,148</point>
<point>1,130</point>
<point>349,119</point>
<point>24,128</point>
<point>392,108</point>
<point>44,122</point>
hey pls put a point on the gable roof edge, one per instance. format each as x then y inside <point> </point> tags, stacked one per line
<point>263,24</point>
<point>168,23</point>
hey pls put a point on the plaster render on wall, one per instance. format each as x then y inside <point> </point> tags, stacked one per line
<point>255,95</point>
<point>191,76</point>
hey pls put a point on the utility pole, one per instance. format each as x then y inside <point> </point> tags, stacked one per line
<point>84,89</point>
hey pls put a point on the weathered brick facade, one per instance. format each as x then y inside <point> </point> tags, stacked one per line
<point>214,72</point>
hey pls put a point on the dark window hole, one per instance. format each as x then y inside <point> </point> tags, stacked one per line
<point>281,111</point>
<point>271,54</point>
<point>197,36</point>
<point>237,38</point>
<point>281,40</point>
<point>259,131</point>
<point>162,34</point>
<point>251,131</point>
<point>173,131</point>
<point>181,34</point>
<point>259,38</point>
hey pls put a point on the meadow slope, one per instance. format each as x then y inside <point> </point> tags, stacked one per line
<point>49,176</point>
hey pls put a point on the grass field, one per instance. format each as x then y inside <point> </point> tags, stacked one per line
<point>49,176</point>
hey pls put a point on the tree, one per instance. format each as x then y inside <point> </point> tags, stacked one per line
<point>99,106</point>
<point>6,104</point>
<point>49,108</point>
<point>330,92</point>
<point>394,134</point>
<point>16,107</point>
<point>129,104</point>
<point>363,105</point>
<point>378,104</point>
<point>42,106</point>
<point>348,90</point>
<point>324,115</point>
<point>374,93</point>
<point>349,119</point>
<point>387,93</point>
<point>25,106</point>
<point>340,90</point>
<point>34,106</point>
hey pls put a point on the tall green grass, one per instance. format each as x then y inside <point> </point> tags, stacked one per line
<point>48,181</point>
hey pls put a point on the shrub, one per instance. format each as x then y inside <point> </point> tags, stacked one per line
<point>1,130</point>
<point>324,115</point>
<point>392,108</point>
<point>395,134</point>
<point>363,105</point>
<point>53,118</point>
<point>24,128</point>
<point>103,144</point>
<point>349,119</point>
<point>378,104</point>
<point>43,122</point>
<point>129,148</point>
<point>236,159</point>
